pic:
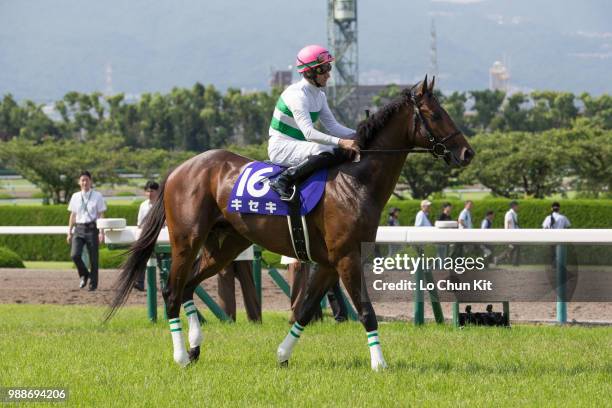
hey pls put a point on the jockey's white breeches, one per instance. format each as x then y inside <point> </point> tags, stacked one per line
<point>286,151</point>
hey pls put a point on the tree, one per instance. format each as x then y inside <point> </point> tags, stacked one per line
<point>53,166</point>
<point>12,117</point>
<point>26,120</point>
<point>252,151</point>
<point>425,175</point>
<point>589,158</point>
<point>454,104</point>
<point>513,116</point>
<point>562,110</point>
<point>598,109</point>
<point>486,105</point>
<point>509,163</point>
<point>155,163</point>
<point>386,95</point>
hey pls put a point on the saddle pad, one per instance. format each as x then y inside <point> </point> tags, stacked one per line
<point>252,195</point>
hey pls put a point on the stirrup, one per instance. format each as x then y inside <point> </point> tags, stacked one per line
<point>292,194</point>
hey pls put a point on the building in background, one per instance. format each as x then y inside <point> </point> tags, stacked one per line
<point>281,78</point>
<point>499,77</point>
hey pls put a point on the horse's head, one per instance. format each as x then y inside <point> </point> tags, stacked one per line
<point>434,128</point>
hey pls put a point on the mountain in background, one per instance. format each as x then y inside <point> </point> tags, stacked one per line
<point>49,48</point>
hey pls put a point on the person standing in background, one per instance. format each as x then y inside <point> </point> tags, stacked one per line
<point>445,215</point>
<point>487,223</point>
<point>511,217</point>
<point>556,220</point>
<point>393,220</point>
<point>443,249</point>
<point>240,269</point>
<point>298,274</point>
<point>511,221</point>
<point>422,217</point>
<point>85,207</point>
<point>464,222</point>
<point>151,190</point>
<point>465,216</point>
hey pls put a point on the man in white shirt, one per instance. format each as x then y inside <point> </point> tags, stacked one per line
<point>422,217</point>
<point>465,216</point>
<point>294,141</point>
<point>556,220</point>
<point>151,192</point>
<point>85,207</point>
<point>511,217</point>
<point>487,223</point>
<point>510,222</point>
<point>464,222</point>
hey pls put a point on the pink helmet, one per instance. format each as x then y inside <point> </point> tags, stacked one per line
<point>312,56</point>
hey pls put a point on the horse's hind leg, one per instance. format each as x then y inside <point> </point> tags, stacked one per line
<point>184,252</point>
<point>219,250</point>
<point>318,284</point>
<point>351,273</point>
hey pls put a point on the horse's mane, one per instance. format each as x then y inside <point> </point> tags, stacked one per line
<point>368,128</point>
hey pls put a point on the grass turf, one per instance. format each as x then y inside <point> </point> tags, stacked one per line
<point>129,362</point>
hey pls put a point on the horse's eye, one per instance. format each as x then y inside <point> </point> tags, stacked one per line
<point>436,116</point>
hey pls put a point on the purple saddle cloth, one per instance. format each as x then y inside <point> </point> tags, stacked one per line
<point>252,195</point>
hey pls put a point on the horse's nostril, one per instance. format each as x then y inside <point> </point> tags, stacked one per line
<point>468,155</point>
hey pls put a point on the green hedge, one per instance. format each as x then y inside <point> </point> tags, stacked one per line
<point>582,214</point>
<point>111,259</point>
<point>9,259</point>
<point>48,247</point>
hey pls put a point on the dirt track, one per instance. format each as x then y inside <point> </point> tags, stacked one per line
<point>61,287</point>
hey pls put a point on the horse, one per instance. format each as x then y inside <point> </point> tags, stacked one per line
<point>193,201</point>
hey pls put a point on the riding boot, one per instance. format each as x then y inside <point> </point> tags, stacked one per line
<point>284,184</point>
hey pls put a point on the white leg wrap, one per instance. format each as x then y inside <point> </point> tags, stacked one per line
<point>376,356</point>
<point>195,330</point>
<point>180,353</point>
<point>286,347</point>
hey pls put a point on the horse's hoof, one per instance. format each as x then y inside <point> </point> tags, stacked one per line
<point>380,366</point>
<point>183,360</point>
<point>283,364</point>
<point>194,354</point>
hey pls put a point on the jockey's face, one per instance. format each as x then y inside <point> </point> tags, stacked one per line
<point>323,78</point>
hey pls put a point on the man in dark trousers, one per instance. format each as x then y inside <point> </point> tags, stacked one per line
<point>85,207</point>
<point>240,269</point>
<point>298,274</point>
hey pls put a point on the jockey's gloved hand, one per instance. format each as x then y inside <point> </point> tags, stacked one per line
<point>349,144</point>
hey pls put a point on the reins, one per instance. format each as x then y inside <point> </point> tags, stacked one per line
<point>438,147</point>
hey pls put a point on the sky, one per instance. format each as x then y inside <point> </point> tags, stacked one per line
<point>48,48</point>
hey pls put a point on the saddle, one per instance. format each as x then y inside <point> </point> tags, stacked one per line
<point>252,194</point>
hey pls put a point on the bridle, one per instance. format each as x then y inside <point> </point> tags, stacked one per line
<point>438,147</point>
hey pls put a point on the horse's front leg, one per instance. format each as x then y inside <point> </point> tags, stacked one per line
<point>319,282</point>
<point>350,271</point>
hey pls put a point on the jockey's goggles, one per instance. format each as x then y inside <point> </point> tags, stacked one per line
<point>322,69</point>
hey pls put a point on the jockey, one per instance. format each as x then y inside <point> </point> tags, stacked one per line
<point>294,142</point>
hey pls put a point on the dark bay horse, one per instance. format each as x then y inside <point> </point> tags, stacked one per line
<point>194,197</point>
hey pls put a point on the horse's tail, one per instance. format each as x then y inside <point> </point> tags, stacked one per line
<point>139,253</point>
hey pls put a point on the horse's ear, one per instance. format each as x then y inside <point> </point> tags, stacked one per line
<point>423,89</point>
<point>431,86</point>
